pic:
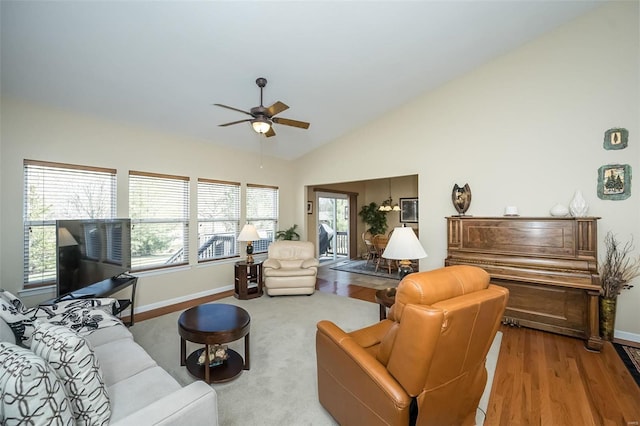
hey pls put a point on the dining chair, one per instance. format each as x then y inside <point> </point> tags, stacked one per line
<point>380,243</point>
<point>372,253</point>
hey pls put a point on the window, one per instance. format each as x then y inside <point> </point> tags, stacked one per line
<point>262,211</point>
<point>59,191</point>
<point>159,211</point>
<point>218,219</point>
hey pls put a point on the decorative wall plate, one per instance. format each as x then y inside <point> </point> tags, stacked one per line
<point>616,138</point>
<point>614,182</point>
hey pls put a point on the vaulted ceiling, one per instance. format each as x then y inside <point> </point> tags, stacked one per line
<point>336,64</point>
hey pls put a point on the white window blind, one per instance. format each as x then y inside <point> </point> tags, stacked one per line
<point>59,191</point>
<point>262,212</point>
<point>218,219</point>
<point>159,211</point>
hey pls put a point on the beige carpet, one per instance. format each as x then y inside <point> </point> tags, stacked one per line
<point>280,388</point>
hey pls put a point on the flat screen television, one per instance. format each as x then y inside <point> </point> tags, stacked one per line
<point>90,251</point>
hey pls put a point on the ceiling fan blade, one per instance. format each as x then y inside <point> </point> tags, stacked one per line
<point>276,108</point>
<point>234,109</point>
<point>234,122</point>
<point>288,122</point>
<point>270,133</point>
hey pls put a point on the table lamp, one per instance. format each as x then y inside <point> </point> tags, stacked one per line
<point>249,234</point>
<point>404,246</point>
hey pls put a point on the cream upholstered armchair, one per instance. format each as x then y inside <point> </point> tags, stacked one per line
<point>291,268</point>
<point>425,364</point>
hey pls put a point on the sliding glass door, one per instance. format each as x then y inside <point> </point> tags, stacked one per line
<point>332,226</point>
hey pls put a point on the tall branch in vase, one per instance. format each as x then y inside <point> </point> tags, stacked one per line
<point>617,269</point>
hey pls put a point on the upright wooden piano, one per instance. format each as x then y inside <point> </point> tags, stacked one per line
<point>548,264</point>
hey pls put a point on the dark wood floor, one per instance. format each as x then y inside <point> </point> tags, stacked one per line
<point>541,378</point>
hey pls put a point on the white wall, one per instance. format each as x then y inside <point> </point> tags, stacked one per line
<point>38,133</point>
<point>526,129</point>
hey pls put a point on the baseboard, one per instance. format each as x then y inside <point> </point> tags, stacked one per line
<point>176,301</point>
<point>623,335</point>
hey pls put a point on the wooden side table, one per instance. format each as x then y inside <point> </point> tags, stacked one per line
<point>248,280</point>
<point>210,324</point>
<point>385,298</point>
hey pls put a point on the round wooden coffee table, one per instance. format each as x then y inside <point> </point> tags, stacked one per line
<point>209,324</point>
<point>385,298</point>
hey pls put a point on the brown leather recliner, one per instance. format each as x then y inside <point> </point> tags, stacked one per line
<point>430,350</point>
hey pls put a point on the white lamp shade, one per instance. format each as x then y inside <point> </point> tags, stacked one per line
<point>65,239</point>
<point>248,233</point>
<point>403,245</point>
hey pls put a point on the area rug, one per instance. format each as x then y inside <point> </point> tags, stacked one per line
<point>631,358</point>
<point>281,386</point>
<point>361,267</point>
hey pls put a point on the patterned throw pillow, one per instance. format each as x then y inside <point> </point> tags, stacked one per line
<point>81,315</point>
<point>20,319</point>
<point>30,392</point>
<point>73,359</point>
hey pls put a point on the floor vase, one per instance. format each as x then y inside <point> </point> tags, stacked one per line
<point>607,317</point>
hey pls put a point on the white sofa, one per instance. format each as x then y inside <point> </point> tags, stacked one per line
<point>139,391</point>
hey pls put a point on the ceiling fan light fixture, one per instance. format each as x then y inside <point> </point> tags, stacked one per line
<point>261,125</point>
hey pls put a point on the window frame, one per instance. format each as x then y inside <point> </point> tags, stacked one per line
<point>262,245</point>
<point>182,192</point>
<point>232,217</point>
<point>45,178</point>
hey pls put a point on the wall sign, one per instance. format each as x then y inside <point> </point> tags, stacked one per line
<point>616,138</point>
<point>614,182</point>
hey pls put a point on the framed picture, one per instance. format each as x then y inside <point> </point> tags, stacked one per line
<point>616,138</point>
<point>409,210</point>
<point>309,207</point>
<point>614,182</point>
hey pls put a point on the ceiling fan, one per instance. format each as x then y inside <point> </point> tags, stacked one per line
<point>263,117</point>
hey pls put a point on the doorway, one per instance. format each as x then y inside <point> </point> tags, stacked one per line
<point>332,227</point>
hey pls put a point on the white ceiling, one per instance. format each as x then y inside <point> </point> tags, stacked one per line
<point>338,65</point>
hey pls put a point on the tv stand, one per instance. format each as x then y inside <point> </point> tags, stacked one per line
<point>106,288</point>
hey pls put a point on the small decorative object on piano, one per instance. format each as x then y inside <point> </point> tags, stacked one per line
<point>559,211</point>
<point>578,206</point>
<point>511,211</point>
<point>217,355</point>
<point>461,197</point>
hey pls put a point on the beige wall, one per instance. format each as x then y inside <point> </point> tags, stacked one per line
<point>38,133</point>
<point>525,130</point>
